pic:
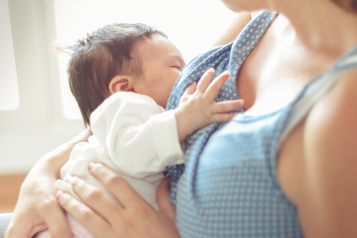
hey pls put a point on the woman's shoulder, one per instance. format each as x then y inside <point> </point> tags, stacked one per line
<point>337,109</point>
<point>320,179</point>
<point>335,114</point>
<point>330,148</point>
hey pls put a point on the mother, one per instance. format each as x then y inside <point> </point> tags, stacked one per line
<point>286,167</point>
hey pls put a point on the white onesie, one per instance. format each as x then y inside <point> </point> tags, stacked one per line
<point>133,136</point>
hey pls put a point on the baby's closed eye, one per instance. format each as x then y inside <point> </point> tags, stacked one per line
<point>177,67</point>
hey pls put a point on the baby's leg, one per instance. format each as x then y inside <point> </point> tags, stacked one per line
<point>78,229</point>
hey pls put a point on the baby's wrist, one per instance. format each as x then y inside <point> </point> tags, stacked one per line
<point>184,127</point>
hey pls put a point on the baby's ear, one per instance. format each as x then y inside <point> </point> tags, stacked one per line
<point>121,83</point>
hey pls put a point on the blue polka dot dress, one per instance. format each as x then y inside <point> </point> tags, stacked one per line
<point>228,186</point>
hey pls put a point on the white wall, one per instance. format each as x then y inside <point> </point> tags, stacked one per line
<point>38,125</point>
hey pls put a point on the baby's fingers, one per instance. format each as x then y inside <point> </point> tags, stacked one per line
<point>216,85</point>
<point>223,117</point>
<point>205,80</point>
<point>226,106</point>
<point>190,89</point>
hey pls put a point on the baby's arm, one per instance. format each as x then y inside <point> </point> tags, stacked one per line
<point>140,137</point>
<point>197,108</point>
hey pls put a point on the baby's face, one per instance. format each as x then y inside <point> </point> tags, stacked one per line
<point>161,63</point>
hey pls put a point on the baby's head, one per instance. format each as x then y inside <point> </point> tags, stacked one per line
<point>122,57</point>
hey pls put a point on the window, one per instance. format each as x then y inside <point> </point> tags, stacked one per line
<point>9,93</point>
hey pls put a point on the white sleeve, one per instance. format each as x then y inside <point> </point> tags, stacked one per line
<point>140,139</point>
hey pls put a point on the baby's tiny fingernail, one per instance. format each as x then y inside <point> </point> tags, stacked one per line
<point>211,70</point>
<point>91,165</point>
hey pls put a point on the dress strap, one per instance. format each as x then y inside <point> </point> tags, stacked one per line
<point>316,89</point>
<point>228,57</point>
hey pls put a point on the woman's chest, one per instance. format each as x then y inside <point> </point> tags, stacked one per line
<point>273,76</point>
<point>234,182</point>
<point>276,71</point>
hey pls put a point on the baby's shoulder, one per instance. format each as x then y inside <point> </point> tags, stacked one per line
<point>126,104</point>
<point>129,97</point>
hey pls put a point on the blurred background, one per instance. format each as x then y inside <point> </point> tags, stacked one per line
<point>37,110</point>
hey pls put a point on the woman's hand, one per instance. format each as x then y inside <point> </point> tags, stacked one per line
<point>37,208</point>
<point>104,218</point>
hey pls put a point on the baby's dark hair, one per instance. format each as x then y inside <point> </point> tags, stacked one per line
<point>98,58</point>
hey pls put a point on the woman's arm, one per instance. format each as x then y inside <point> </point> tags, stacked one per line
<point>37,207</point>
<point>327,192</point>
<point>104,218</point>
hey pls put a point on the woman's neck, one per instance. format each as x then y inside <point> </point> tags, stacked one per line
<point>320,25</point>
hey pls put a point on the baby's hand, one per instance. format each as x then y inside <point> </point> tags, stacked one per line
<point>197,108</point>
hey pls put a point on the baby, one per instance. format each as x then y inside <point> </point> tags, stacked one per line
<point>122,76</point>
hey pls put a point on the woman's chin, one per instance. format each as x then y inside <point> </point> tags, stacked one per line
<point>242,5</point>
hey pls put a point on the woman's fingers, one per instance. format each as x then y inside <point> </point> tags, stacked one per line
<point>136,219</point>
<point>163,198</point>
<point>37,208</point>
<point>216,85</point>
<point>116,184</point>
<point>205,80</point>
<point>57,222</point>
<point>84,215</point>
<point>93,197</point>
<point>227,106</point>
